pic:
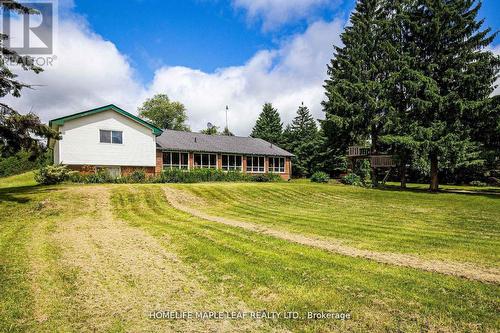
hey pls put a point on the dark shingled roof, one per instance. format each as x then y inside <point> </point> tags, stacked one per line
<point>189,141</point>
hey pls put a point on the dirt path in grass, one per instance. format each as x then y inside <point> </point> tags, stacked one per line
<point>181,200</point>
<point>121,274</point>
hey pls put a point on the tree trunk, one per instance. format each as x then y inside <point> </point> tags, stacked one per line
<point>434,186</point>
<point>374,177</point>
<point>403,174</point>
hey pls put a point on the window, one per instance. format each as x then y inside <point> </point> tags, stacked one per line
<point>277,164</point>
<point>231,162</point>
<point>175,160</point>
<point>107,136</point>
<point>205,161</point>
<point>255,163</point>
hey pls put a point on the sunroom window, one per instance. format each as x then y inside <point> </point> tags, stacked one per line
<point>175,160</point>
<point>231,162</point>
<point>205,161</point>
<point>255,163</point>
<point>277,164</point>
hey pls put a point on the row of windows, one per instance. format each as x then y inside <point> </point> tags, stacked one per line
<point>178,160</point>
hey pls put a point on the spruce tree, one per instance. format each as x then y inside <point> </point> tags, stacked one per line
<point>355,105</point>
<point>450,50</point>
<point>268,126</point>
<point>302,139</point>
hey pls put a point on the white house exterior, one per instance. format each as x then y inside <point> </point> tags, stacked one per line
<point>113,139</point>
<point>82,141</point>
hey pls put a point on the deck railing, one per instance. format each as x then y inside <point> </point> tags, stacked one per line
<point>382,161</point>
<point>358,151</point>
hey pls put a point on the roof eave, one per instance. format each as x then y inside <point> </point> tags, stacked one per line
<point>60,121</point>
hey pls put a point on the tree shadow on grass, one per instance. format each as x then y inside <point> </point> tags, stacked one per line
<point>24,194</point>
<point>490,193</point>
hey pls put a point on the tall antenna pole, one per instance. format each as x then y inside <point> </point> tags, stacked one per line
<point>227,108</point>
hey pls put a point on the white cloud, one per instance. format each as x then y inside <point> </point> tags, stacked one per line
<point>277,12</point>
<point>88,72</point>
<point>91,72</point>
<point>285,77</point>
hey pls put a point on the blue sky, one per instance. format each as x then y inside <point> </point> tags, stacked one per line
<point>205,54</point>
<point>202,34</point>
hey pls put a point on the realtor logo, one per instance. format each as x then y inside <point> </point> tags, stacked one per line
<point>30,34</point>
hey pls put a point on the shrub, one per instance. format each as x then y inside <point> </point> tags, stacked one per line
<point>100,177</point>
<point>176,176</point>
<point>52,174</point>
<point>21,162</point>
<point>352,179</point>
<point>478,183</point>
<point>266,177</point>
<point>320,177</point>
<point>137,176</point>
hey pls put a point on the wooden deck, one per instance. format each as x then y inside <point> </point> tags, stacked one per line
<point>376,161</point>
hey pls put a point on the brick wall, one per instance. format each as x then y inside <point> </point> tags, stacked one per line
<point>159,162</point>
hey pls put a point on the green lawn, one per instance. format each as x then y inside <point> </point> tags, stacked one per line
<point>460,227</point>
<point>84,258</point>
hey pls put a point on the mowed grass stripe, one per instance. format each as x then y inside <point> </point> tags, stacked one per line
<point>446,226</point>
<point>278,275</point>
<point>260,208</point>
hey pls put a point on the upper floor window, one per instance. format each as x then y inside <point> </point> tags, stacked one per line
<point>255,163</point>
<point>107,136</point>
<point>231,162</point>
<point>175,160</point>
<point>277,164</point>
<point>205,161</point>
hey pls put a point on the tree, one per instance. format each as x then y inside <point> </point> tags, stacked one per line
<point>164,113</point>
<point>210,130</point>
<point>355,106</point>
<point>226,132</point>
<point>268,126</point>
<point>18,132</point>
<point>450,50</point>
<point>302,139</point>
<point>22,132</point>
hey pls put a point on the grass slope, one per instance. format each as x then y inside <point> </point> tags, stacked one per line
<point>460,227</point>
<point>277,275</point>
<point>70,261</point>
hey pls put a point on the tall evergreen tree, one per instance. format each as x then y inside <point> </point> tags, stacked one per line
<point>450,49</point>
<point>355,105</point>
<point>302,139</point>
<point>268,126</point>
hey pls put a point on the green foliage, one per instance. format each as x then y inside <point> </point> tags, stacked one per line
<point>363,170</point>
<point>302,139</point>
<point>52,174</point>
<point>164,113</point>
<point>137,176</point>
<point>20,162</point>
<point>175,176</point>
<point>478,183</point>
<point>18,132</point>
<point>268,126</point>
<point>226,132</point>
<point>352,179</point>
<point>22,132</point>
<point>391,84</point>
<point>320,177</point>
<point>266,177</point>
<point>212,130</point>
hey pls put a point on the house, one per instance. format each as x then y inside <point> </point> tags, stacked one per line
<point>112,139</point>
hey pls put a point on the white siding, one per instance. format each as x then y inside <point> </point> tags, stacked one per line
<point>80,142</point>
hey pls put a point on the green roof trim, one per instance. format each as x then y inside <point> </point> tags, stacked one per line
<point>60,121</point>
